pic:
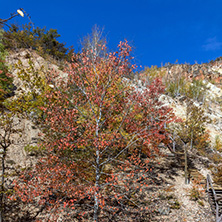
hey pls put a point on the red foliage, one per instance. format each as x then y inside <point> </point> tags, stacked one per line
<point>99,126</point>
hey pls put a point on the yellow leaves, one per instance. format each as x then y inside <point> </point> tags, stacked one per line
<point>138,116</point>
<point>118,119</point>
<point>125,134</point>
<point>78,121</point>
<point>33,79</point>
<point>31,91</point>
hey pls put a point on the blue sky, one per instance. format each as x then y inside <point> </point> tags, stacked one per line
<point>160,31</point>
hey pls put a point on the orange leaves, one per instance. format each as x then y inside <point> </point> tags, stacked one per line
<point>65,204</point>
<point>99,129</point>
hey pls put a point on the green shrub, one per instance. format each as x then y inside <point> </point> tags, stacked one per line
<point>149,74</point>
<point>43,41</point>
<point>175,205</point>
<point>193,130</point>
<point>196,90</point>
<point>177,87</point>
<point>218,143</point>
<point>34,150</point>
<point>194,194</point>
<point>6,86</point>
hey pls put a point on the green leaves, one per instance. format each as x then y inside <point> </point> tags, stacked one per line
<point>6,86</point>
<point>43,41</point>
<point>193,128</point>
<point>30,93</point>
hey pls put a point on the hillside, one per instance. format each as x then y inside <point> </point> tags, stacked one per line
<point>186,85</point>
<point>168,198</point>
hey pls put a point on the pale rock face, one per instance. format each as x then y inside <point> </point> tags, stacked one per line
<point>178,107</point>
<point>29,136</point>
<point>213,91</point>
<point>212,110</point>
<point>29,132</point>
<point>216,69</point>
<point>24,55</point>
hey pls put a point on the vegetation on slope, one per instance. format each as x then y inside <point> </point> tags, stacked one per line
<point>100,132</point>
<point>39,39</point>
<point>6,85</point>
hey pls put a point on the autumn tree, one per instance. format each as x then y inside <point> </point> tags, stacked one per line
<point>99,127</point>
<point>94,42</point>
<point>192,132</point>
<point>193,128</point>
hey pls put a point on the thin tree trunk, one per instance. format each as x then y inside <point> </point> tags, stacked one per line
<point>186,166</point>
<point>97,185</point>
<point>174,143</point>
<point>96,200</point>
<point>185,150</point>
<point>2,187</point>
<point>191,141</point>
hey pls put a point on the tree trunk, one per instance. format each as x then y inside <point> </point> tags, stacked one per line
<point>191,141</point>
<point>174,143</point>
<point>2,186</point>
<point>96,200</point>
<point>97,185</point>
<point>186,166</point>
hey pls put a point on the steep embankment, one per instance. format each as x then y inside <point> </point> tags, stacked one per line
<point>199,85</point>
<point>172,200</point>
<point>30,133</point>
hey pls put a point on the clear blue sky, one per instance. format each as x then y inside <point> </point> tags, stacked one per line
<point>160,30</point>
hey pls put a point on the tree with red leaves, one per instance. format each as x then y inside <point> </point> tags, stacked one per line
<point>102,131</point>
